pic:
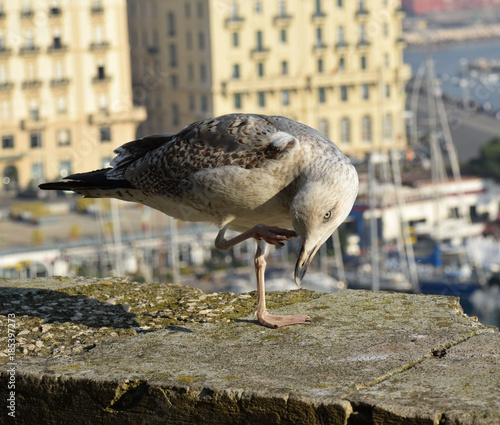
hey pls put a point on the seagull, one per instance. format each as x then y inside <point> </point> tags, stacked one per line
<point>269,177</point>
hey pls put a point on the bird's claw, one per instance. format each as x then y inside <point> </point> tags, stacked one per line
<point>272,321</point>
<point>273,235</point>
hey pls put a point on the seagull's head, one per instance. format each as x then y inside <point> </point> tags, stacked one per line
<point>320,206</point>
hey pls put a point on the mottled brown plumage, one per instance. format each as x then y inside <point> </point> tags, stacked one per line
<point>253,173</point>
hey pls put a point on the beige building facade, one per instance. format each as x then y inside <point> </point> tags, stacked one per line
<point>336,65</point>
<point>65,88</point>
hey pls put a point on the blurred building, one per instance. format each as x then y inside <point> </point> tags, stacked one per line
<point>334,65</point>
<point>65,88</point>
<point>419,7</point>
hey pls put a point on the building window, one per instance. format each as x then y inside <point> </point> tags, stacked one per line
<point>64,168</point>
<point>345,130</point>
<point>385,29</point>
<point>283,36</point>
<point>284,68</point>
<point>317,10</point>
<point>261,99</point>
<point>63,137</point>
<point>340,35</point>
<point>105,133</point>
<point>187,10</point>
<point>174,82</point>
<point>203,72</point>
<point>362,34</point>
<point>29,43</point>
<point>340,4</point>
<point>387,127</point>
<point>258,7</point>
<point>237,101</point>
<point>35,139</point>
<point>321,95</point>
<point>319,64</point>
<point>34,111</point>
<point>282,8</point>
<point>8,142</point>
<point>235,38</point>
<point>236,71</point>
<point>285,97</point>
<point>5,110</point>
<point>343,93</point>
<point>56,39</point>
<point>323,127</point>
<point>173,55</point>
<point>61,107</point>
<point>200,9</point>
<point>341,64</point>
<point>366,129</point>
<point>387,91</point>
<point>204,103</point>
<point>319,37</point>
<point>101,72</point>
<point>192,102</point>
<point>386,60</point>
<point>189,40</point>
<point>365,92</point>
<point>103,104</point>
<point>171,29</point>
<point>190,72</point>
<point>37,173</point>
<point>175,115</point>
<point>233,11</point>
<point>260,69</point>
<point>201,40</point>
<point>259,43</point>
<point>363,62</point>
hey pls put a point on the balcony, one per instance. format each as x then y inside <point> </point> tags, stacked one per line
<point>319,47</point>
<point>99,45</point>
<point>362,12</point>
<point>259,52</point>
<point>6,86</point>
<point>29,50</point>
<point>400,42</point>
<point>99,79</point>
<point>5,51</point>
<point>318,17</point>
<point>282,19</point>
<point>363,44</point>
<point>27,13</point>
<point>31,84</point>
<point>57,48</point>
<point>96,10</point>
<point>341,45</point>
<point>59,82</point>
<point>234,22</point>
<point>55,12</point>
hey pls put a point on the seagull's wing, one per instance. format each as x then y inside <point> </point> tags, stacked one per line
<point>157,164</point>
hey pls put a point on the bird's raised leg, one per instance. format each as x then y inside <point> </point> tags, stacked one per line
<point>274,236</point>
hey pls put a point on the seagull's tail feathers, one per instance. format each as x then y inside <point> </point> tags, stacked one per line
<point>94,184</point>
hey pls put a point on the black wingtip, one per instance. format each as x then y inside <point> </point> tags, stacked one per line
<point>92,180</point>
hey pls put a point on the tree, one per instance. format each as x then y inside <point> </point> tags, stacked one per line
<point>488,162</point>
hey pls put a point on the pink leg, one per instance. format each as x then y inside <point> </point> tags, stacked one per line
<point>266,319</point>
<point>274,236</point>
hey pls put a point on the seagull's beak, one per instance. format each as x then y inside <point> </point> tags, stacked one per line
<point>305,257</point>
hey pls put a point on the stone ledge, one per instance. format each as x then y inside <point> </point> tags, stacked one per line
<point>367,358</point>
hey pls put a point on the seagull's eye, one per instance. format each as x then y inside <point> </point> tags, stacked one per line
<point>327,215</point>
